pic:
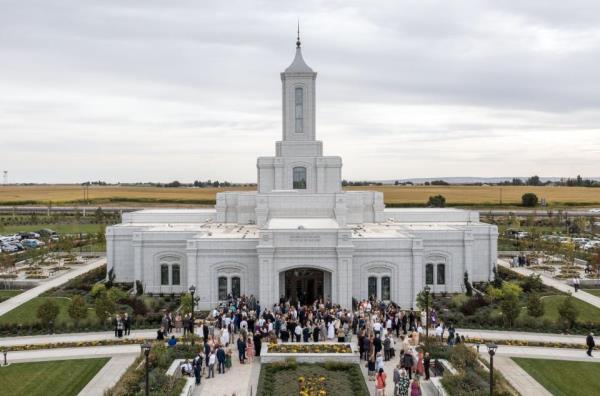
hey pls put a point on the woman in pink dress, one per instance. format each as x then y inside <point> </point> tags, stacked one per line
<point>249,350</point>
<point>420,367</point>
<point>415,388</point>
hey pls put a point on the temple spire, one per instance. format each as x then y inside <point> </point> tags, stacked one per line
<point>298,37</point>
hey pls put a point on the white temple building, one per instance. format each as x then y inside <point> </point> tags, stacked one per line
<point>299,235</point>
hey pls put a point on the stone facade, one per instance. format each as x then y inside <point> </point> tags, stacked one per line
<point>299,219</point>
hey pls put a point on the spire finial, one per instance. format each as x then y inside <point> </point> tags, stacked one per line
<point>298,38</point>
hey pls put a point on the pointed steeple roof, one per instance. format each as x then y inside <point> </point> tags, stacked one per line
<point>298,65</point>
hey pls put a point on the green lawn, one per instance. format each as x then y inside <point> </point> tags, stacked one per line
<point>54,378</point>
<point>587,312</point>
<point>27,313</point>
<point>74,228</point>
<point>595,292</point>
<point>6,294</point>
<point>563,378</point>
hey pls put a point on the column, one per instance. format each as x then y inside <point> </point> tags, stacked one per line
<point>137,260</point>
<point>192,266</point>
<point>468,254</point>
<point>417,269</point>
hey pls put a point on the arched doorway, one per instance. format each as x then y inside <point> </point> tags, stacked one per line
<point>304,285</point>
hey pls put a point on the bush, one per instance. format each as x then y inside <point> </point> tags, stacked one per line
<point>104,307</point>
<point>48,311</point>
<point>78,308</point>
<point>510,309</point>
<point>529,200</point>
<point>567,312</point>
<point>535,305</point>
<point>532,283</point>
<point>98,289</point>
<point>463,357</point>
<point>458,300</point>
<point>436,201</point>
<point>117,295</point>
<point>472,304</point>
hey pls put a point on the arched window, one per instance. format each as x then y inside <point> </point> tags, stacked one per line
<point>441,274</point>
<point>299,102</point>
<point>299,178</point>
<point>372,287</point>
<point>175,274</point>
<point>385,288</point>
<point>164,274</point>
<point>236,286</point>
<point>222,288</point>
<point>429,274</point>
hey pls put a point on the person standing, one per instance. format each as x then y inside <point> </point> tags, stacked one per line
<point>415,388</point>
<point>257,343</point>
<point>403,384</point>
<point>380,382</point>
<point>127,322</point>
<point>427,365</point>
<point>120,328</point>
<point>590,344</point>
<point>211,364</point>
<point>407,362</point>
<point>160,334</point>
<point>220,360</point>
<point>197,363</point>
<point>241,345</point>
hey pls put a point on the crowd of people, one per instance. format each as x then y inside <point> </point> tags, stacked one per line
<point>384,332</point>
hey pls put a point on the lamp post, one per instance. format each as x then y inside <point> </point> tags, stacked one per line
<point>146,350</point>
<point>5,352</point>
<point>427,289</point>
<point>492,351</point>
<point>192,291</point>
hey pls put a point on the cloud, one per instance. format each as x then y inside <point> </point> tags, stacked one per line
<point>148,90</point>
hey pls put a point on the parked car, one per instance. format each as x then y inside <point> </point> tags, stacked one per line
<point>32,243</point>
<point>29,235</point>
<point>8,248</point>
<point>595,210</point>
<point>47,232</point>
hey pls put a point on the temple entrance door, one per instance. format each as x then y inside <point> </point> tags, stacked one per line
<point>304,285</point>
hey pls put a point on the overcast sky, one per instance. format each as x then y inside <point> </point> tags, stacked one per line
<point>164,90</point>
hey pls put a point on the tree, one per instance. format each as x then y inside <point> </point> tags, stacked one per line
<point>78,308</point>
<point>535,305</point>
<point>510,309</point>
<point>468,287</point>
<point>437,201</point>
<point>104,307</point>
<point>497,279</point>
<point>99,215</point>
<point>529,200</point>
<point>186,303</point>
<point>48,311</point>
<point>7,261</point>
<point>567,312</point>
<point>534,181</point>
<point>423,301</point>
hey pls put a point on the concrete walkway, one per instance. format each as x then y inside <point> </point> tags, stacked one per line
<point>562,286</point>
<point>72,353</point>
<point>524,383</point>
<point>22,298</point>
<point>236,381</point>
<point>108,376</point>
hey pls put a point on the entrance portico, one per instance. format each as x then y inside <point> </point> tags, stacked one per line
<point>305,285</point>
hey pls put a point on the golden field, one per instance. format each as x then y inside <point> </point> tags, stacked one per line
<point>392,194</point>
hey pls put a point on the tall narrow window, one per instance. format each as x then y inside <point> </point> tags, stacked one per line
<point>372,289</point>
<point>222,288</point>
<point>385,288</point>
<point>299,99</point>
<point>429,274</point>
<point>299,178</point>
<point>441,274</point>
<point>175,274</point>
<point>164,274</point>
<point>236,286</point>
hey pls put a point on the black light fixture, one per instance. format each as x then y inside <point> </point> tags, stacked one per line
<point>146,350</point>
<point>492,351</point>
<point>192,291</point>
<point>426,289</point>
<point>5,352</point>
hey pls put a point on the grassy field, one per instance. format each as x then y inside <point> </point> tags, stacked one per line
<point>6,294</point>
<point>55,378</point>
<point>595,292</point>
<point>468,195</point>
<point>563,378</point>
<point>27,313</point>
<point>587,312</point>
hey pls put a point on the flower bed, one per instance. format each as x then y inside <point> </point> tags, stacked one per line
<point>312,386</point>
<point>309,348</point>
<point>526,343</point>
<point>33,347</point>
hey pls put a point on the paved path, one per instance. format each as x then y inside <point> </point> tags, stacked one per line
<point>562,286</point>
<point>72,353</point>
<point>72,337</point>
<point>22,298</point>
<point>545,353</point>
<point>524,383</point>
<point>108,375</point>
<point>236,380</point>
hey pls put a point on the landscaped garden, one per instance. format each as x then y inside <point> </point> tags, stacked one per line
<point>54,378</point>
<point>563,378</point>
<point>515,302</point>
<point>160,359</point>
<point>88,302</point>
<point>319,379</point>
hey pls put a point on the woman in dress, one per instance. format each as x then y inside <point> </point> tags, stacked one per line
<point>420,366</point>
<point>178,323</point>
<point>228,354</point>
<point>249,350</point>
<point>371,363</point>
<point>415,388</point>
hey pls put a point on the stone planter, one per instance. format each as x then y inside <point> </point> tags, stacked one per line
<point>347,357</point>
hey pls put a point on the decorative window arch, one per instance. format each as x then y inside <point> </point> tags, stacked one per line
<point>372,286</point>
<point>299,109</point>
<point>175,274</point>
<point>164,275</point>
<point>236,286</point>
<point>429,274</point>
<point>222,283</point>
<point>299,178</point>
<point>170,270</point>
